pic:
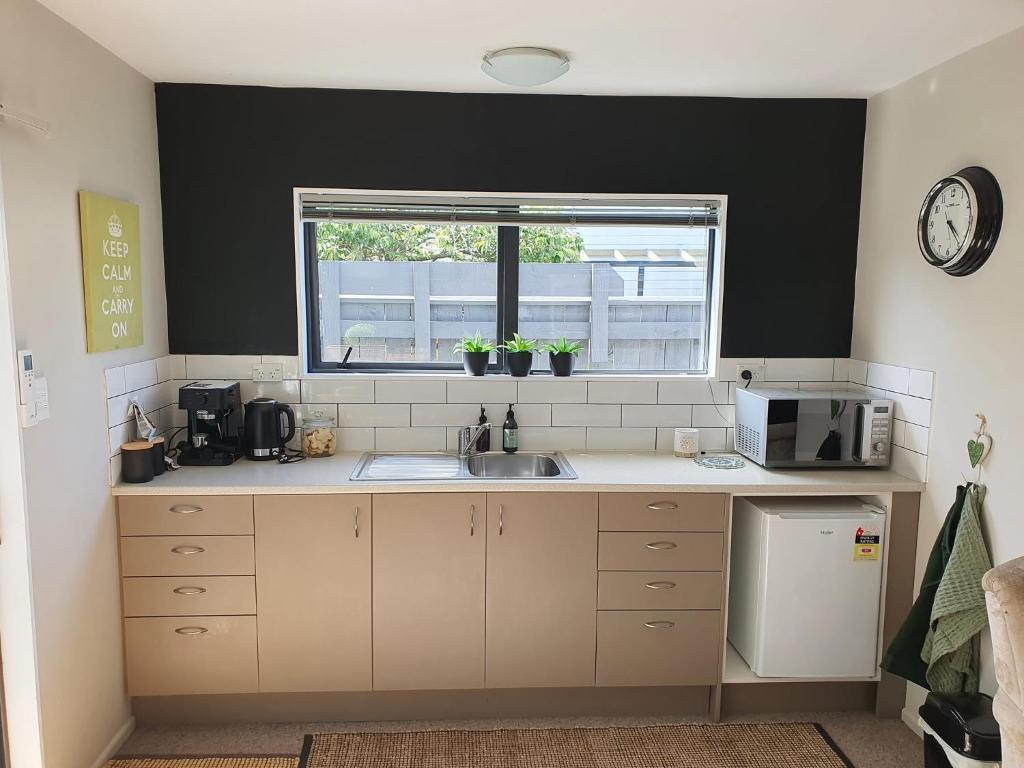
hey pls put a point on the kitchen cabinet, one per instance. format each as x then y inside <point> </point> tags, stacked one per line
<point>313,592</point>
<point>658,647</point>
<point>429,554</point>
<point>190,654</point>
<point>541,589</point>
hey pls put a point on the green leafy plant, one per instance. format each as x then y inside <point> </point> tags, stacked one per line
<point>518,344</point>
<point>475,343</point>
<point>563,347</point>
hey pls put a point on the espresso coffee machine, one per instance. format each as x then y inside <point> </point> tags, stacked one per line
<point>214,423</point>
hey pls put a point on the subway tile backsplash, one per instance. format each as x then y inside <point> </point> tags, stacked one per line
<point>423,412</point>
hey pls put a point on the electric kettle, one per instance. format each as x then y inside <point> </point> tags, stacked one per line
<point>264,435</point>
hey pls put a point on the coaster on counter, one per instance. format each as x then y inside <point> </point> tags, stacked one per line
<point>720,462</point>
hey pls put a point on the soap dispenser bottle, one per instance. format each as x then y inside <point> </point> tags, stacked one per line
<point>510,432</point>
<point>483,443</point>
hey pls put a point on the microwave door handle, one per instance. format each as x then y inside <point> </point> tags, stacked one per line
<point>859,434</point>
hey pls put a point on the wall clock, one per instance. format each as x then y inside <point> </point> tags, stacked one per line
<point>959,221</point>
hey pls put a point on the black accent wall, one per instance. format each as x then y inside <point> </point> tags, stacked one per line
<point>231,155</point>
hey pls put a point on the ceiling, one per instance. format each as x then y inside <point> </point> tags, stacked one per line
<point>641,47</point>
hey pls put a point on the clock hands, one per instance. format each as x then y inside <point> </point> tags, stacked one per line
<point>953,230</point>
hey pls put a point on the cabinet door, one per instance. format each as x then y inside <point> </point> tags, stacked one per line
<point>313,592</point>
<point>428,590</point>
<point>541,589</point>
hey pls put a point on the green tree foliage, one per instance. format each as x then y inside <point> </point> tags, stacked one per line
<point>390,241</point>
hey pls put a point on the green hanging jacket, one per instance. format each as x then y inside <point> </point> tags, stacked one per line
<point>903,657</point>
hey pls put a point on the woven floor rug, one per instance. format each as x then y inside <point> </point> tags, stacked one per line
<point>236,761</point>
<point>761,745</point>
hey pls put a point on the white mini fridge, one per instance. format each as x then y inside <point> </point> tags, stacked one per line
<point>805,586</point>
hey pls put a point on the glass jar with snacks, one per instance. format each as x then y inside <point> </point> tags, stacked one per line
<point>319,437</point>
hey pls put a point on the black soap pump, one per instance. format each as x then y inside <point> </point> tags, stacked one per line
<point>510,432</point>
<point>483,443</point>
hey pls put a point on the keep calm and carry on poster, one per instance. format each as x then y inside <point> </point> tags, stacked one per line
<point>111,265</point>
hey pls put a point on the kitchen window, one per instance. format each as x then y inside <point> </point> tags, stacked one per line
<point>394,280</point>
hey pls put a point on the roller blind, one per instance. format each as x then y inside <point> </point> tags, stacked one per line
<point>510,210</point>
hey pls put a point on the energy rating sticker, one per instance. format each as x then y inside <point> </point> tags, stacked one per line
<point>866,544</point>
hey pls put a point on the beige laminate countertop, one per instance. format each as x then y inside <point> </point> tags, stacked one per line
<point>597,471</point>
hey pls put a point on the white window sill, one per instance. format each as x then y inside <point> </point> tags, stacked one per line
<point>460,376</point>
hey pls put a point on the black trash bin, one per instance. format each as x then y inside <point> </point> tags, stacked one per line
<point>959,731</point>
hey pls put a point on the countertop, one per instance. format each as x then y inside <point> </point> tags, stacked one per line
<point>597,471</point>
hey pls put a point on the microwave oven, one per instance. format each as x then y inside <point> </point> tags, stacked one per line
<point>813,428</point>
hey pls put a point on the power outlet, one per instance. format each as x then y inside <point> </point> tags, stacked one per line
<point>268,372</point>
<point>756,371</point>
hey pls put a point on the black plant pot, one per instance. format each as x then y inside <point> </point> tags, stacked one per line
<point>562,363</point>
<point>519,363</point>
<point>475,363</point>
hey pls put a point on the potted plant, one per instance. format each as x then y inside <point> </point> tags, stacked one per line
<point>476,351</point>
<point>562,355</point>
<point>519,354</point>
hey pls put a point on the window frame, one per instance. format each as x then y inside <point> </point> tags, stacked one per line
<point>506,295</point>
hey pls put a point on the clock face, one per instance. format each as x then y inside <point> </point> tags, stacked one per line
<point>950,221</point>
<point>959,222</point>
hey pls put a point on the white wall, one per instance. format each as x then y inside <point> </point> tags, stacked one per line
<point>103,139</point>
<point>967,111</point>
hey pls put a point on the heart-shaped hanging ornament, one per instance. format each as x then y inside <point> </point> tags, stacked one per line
<point>985,440</point>
<point>975,451</point>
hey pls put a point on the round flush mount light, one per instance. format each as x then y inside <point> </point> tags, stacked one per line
<point>525,66</point>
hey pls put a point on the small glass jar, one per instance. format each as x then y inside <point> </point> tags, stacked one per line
<point>319,437</point>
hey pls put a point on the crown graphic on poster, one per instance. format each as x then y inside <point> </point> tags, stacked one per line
<point>114,226</point>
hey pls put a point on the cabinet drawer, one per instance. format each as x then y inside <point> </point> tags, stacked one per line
<point>190,654</point>
<point>658,551</point>
<point>662,512</point>
<point>190,515</point>
<point>651,590</point>
<point>658,647</point>
<point>187,556</point>
<point>189,596</point>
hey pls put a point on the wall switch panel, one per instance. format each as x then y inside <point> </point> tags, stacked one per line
<point>756,370</point>
<point>268,372</point>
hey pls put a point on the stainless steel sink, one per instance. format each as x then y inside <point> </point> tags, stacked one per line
<point>383,467</point>
<point>509,465</point>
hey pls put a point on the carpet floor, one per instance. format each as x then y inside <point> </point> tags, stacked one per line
<point>866,741</point>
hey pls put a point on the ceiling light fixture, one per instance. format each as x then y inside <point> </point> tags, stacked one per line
<point>525,66</point>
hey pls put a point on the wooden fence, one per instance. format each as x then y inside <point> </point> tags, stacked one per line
<point>629,315</point>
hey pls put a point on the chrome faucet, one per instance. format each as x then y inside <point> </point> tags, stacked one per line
<point>469,437</point>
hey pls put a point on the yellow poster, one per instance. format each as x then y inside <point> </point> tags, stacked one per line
<point>111,265</point>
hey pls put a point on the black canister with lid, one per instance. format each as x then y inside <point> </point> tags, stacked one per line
<point>137,461</point>
<point>156,454</point>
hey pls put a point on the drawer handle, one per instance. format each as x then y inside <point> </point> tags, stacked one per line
<point>659,624</point>
<point>472,519</point>
<point>191,630</point>
<point>501,520</point>
<point>660,585</point>
<point>661,545</point>
<point>187,549</point>
<point>658,506</point>
<point>189,590</point>
<point>185,509</point>
<point>355,523</point>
